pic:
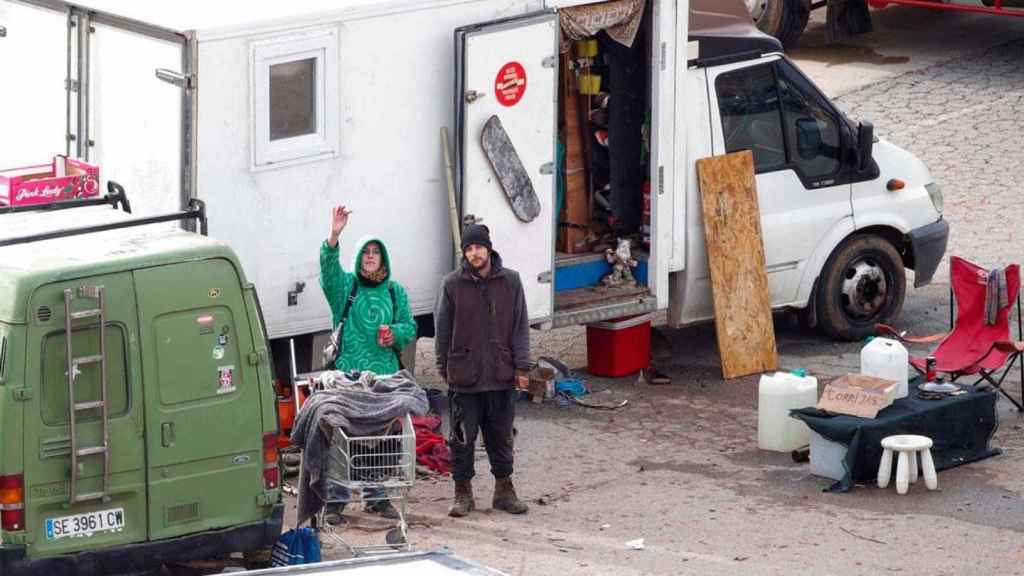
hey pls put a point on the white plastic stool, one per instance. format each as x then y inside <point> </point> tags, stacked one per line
<point>908,446</point>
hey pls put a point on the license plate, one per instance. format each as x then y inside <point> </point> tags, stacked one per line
<point>85,525</point>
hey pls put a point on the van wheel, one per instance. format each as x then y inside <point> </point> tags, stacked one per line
<point>862,284</point>
<point>783,19</point>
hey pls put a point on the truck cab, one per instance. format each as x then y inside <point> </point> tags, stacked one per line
<point>137,413</point>
<point>843,214</point>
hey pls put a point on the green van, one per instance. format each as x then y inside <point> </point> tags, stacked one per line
<point>138,417</point>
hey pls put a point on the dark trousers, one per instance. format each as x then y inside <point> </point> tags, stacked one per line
<point>491,413</point>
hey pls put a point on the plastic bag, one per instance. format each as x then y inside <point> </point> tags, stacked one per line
<point>294,547</point>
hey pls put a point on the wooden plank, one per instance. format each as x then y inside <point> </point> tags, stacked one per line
<point>739,281</point>
<point>576,208</point>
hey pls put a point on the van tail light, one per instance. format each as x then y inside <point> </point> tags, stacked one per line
<point>271,474</point>
<point>12,503</point>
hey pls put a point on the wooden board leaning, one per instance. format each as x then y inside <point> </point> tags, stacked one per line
<point>739,281</point>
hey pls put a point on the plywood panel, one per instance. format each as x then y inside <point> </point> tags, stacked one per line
<point>576,210</point>
<point>739,281</point>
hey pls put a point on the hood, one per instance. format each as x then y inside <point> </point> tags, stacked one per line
<point>725,28</point>
<point>361,245</point>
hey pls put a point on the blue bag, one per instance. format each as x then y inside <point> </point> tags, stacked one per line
<point>299,546</point>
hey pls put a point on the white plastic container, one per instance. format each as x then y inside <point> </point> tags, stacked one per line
<point>776,395</point>
<point>885,358</point>
<point>827,457</point>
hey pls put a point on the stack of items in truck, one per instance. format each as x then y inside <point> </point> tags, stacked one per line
<point>604,137</point>
<point>604,132</point>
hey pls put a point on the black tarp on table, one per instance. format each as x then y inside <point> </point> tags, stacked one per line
<point>960,428</point>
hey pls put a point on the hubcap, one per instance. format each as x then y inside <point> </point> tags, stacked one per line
<point>864,289</point>
<point>756,8</point>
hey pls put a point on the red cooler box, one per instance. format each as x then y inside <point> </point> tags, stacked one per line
<point>619,347</point>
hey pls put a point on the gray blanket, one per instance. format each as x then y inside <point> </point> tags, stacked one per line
<point>363,407</point>
<point>997,295</point>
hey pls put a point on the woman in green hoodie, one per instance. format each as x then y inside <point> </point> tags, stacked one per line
<point>378,325</point>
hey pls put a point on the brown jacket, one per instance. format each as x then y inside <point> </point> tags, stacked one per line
<point>482,332</point>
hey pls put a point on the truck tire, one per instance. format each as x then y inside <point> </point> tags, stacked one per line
<point>783,19</point>
<point>862,284</point>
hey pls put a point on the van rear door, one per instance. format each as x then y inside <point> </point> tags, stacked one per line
<point>203,412</point>
<point>508,70</point>
<point>55,526</point>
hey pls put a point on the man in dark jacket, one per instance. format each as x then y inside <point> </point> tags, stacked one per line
<point>482,343</point>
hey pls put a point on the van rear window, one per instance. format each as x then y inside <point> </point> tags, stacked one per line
<point>84,342</point>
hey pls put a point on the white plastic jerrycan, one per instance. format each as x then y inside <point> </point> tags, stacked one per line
<point>776,395</point>
<point>885,358</point>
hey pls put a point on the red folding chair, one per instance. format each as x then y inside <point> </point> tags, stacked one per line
<point>973,346</point>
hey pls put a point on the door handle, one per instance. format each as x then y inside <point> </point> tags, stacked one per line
<point>167,434</point>
<point>473,96</point>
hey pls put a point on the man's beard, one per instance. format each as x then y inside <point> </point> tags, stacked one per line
<point>483,262</point>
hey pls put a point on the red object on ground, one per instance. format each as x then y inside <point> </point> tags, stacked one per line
<point>996,9</point>
<point>969,349</point>
<point>431,448</point>
<point>619,347</point>
<point>286,411</point>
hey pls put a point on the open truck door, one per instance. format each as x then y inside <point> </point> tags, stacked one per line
<point>34,60</point>
<point>506,95</point>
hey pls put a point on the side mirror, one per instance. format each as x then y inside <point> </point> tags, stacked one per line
<point>808,138</point>
<point>865,144</point>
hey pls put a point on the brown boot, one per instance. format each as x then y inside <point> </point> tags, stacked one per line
<point>464,503</point>
<point>505,497</point>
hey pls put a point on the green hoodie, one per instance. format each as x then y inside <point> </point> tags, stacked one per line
<point>372,307</point>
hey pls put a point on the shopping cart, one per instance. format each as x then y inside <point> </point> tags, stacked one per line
<point>371,469</point>
<point>364,469</point>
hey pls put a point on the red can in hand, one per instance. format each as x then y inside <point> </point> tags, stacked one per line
<point>382,333</point>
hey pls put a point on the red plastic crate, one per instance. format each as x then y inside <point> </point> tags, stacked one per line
<point>619,347</point>
<point>62,179</point>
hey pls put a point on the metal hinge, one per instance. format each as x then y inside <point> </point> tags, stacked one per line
<point>661,180</point>
<point>549,62</point>
<point>544,277</point>
<point>547,169</point>
<point>22,394</point>
<point>664,56</point>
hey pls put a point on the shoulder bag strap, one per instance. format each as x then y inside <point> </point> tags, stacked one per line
<point>394,317</point>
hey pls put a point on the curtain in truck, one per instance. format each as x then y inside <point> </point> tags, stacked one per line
<point>620,19</point>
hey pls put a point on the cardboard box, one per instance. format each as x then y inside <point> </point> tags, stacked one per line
<point>62,179</point>
<point>858,395</point>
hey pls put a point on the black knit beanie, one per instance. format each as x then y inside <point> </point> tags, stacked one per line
<point>476,234</point>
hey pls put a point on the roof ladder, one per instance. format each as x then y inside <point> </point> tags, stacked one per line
<point>75,367</point>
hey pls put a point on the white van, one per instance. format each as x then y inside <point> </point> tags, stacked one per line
<point>274,113</point>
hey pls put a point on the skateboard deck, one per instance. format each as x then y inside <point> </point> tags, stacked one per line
<point>512,176</point>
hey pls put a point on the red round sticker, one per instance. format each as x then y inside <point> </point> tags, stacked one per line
<point>510,85</point>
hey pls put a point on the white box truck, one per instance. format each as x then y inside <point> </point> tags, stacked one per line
<point>272,112</point>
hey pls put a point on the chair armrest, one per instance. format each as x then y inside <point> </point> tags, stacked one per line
<point>1009,347</point>
<point>886,330</point>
